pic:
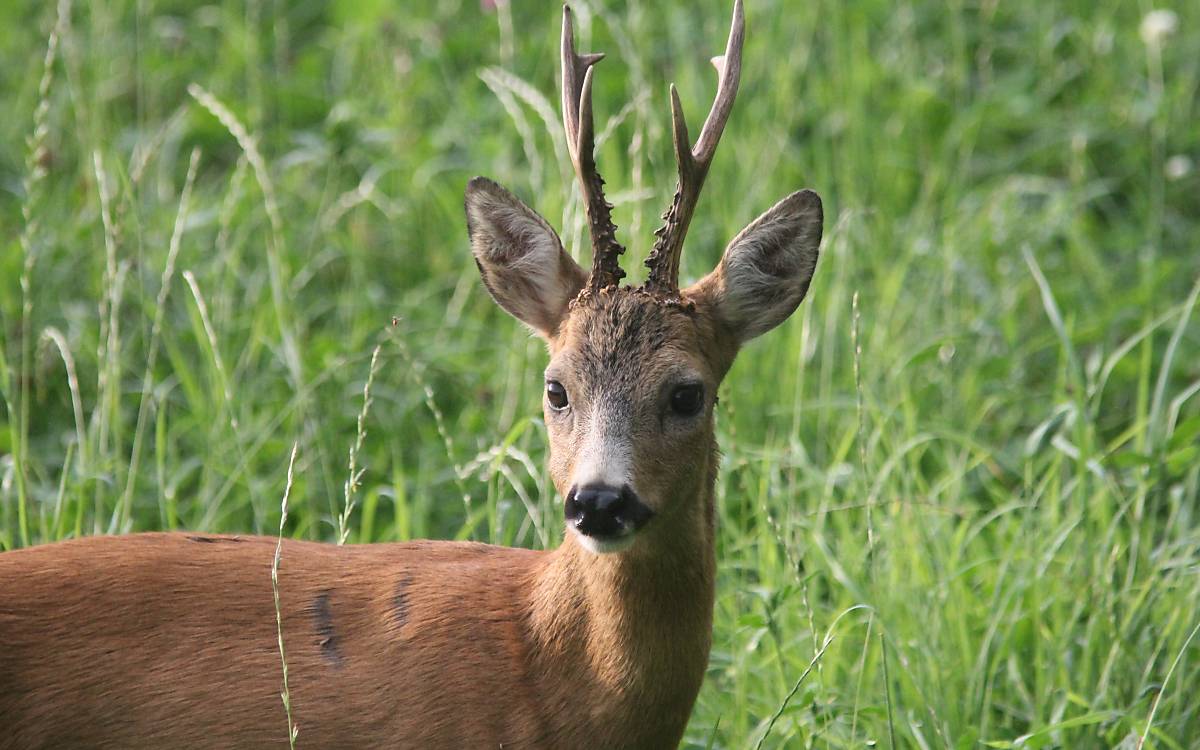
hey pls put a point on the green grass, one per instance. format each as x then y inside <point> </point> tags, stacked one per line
<point>991,510</point>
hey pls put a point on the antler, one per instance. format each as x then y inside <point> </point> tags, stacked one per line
<point>694,161</point>
<point>577,119</point>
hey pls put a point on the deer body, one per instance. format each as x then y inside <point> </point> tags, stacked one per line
<point>418,645</point>
<point>169,640</point>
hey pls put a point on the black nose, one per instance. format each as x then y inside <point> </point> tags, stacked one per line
<point>595,509</point>
<point>601,511</point>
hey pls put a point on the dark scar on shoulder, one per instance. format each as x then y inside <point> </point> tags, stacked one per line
<point>400,601</point>
<point>322,614</point>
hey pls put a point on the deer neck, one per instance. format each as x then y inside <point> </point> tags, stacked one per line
<point>634,627</point>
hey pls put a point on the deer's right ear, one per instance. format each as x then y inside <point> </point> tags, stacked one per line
<point>521,259</point>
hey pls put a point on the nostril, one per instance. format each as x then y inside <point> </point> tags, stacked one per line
<point>629,498</point>
<point>573,508</point>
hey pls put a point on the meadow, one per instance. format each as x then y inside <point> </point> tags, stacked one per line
<point>959,504</point>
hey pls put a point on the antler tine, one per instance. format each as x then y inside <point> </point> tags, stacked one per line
<point>693,162</point>
<point>577,120</point>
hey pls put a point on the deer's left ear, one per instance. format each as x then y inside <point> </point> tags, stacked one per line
<point>766,269</point>
<point>521,259</point>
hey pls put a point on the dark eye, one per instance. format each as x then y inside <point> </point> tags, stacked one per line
<point>687,400</point>
<point>556,395</point>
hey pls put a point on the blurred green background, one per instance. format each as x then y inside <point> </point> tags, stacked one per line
<point>214,213</point>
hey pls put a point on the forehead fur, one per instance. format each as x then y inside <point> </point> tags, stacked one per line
<point>616,332</point>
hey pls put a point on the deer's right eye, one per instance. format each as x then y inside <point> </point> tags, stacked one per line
<point>687,400</point>
<point>556,395</point>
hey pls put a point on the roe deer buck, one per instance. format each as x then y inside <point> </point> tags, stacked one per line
<point>168,640</point>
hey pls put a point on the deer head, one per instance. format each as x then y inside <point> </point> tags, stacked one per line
<point>634,370</point>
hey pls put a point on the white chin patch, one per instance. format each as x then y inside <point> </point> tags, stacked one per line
<point>603,546</point>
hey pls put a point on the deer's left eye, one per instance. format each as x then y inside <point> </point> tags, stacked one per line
<point>687,400</point>
<point>556,395</point>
